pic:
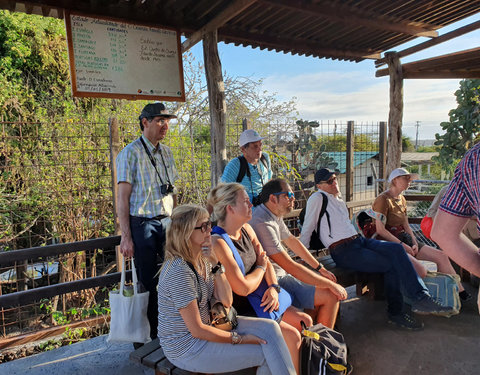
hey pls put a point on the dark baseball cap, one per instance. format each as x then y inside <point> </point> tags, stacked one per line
<point>154,110</point>
<point>323,175</point>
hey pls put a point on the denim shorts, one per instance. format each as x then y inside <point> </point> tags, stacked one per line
<point>303,295</point>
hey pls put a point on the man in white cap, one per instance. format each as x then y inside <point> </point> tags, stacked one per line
<point>253,168</point>
<point>350,250</point>
<point>146,174</point>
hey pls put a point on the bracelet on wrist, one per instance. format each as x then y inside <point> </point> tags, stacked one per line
<point>276,287</point>
<point>236,338</point>
<point>320,266</point>
<point>262,267</point>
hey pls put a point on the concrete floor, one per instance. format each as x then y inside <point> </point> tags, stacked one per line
<point>446,346</point>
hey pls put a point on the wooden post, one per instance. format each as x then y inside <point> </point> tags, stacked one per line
<point>349,164</point>
<point>382,155</point>
<point>395,115</point>
<point>114,150</point>
<point>218,106</point>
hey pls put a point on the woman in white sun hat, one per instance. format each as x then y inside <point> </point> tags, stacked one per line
<point>393,205</point>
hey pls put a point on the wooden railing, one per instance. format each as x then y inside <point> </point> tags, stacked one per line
<point>21,298</point>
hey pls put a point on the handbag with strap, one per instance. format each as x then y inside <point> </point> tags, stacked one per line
<point>255,298</point>
<point>128,315</point>
<point>224,318</point>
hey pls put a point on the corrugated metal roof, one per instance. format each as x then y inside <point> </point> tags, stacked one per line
<point>359,157</point>
<point>338,29</point>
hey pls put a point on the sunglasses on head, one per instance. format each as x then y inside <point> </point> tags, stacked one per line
<point>289,194</point>
<point>204,226</point>
<point>330,180</point>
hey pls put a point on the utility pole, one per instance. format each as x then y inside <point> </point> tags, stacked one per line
<point>416,138</point>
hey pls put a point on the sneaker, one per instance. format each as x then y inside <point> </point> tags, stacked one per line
<point>427,305</point>
<point>465,296</point>
<point>405,321</point>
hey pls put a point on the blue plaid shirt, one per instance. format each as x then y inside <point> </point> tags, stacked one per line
<point>134,166</point>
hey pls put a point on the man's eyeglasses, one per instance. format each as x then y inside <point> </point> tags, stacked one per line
<point>330,180</point>
<point>289,194</point>
<point>205,226</point>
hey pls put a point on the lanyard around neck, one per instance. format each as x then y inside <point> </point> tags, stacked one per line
<point>152,160</point>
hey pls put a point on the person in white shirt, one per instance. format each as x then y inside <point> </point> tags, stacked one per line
<point>350,250</point>
<point>314,289</point>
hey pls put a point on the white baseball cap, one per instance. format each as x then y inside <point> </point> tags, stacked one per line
<point>248,136</point>
<point>401,172</point>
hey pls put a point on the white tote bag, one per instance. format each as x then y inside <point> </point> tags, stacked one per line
<point>128,315</point>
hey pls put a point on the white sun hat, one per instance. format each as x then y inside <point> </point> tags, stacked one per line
<point>401,172</point>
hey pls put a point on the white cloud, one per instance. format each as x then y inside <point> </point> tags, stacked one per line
<point>360,96</point>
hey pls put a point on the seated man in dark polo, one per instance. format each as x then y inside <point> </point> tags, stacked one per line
<point>350,250</point>
<point>309,289</point>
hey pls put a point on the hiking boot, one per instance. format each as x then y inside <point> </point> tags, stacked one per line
<point>427,305</point>
<point>405,321</point>
<point>465,296</point>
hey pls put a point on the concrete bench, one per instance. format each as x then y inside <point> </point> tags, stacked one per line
<point>151,355</point>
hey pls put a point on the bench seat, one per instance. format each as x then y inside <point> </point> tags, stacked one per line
<point>151,355</point>
<point>370,284</point>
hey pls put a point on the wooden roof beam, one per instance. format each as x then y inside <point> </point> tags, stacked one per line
<point>443,74</point>
<point>293,46</point>
<point>220,19</point>
<point>353,17</point>
<point>445,66</point>
<point>433,42</point>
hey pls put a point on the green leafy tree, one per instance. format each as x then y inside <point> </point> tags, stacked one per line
<point>463,128</point>
<point>407,145</point>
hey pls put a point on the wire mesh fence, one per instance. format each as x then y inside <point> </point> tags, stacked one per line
<point>56,187</point>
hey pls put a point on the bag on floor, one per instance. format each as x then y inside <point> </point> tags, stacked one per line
<point>444,289</point>
<point>128,312</point>
<point>364,222</point>
<point>323,351</point>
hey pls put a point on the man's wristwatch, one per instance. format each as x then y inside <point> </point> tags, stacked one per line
<point>276,287</point>
<point>236,338</point>
<point>320,266</point>
<point>218,268</point>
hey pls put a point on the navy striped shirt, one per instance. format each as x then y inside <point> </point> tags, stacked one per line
<point>178,287</point>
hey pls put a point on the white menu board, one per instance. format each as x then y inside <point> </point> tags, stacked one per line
<point>112,58</point>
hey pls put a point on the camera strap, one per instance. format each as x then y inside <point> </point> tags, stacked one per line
<point>152,160</point>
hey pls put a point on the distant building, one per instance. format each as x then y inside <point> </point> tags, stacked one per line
<point>365,172</point>
<point>421,159</point>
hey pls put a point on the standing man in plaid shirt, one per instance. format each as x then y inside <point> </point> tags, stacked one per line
<point>146,174</point>
<point>459,204</point>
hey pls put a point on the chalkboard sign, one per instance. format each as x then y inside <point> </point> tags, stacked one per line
<point>111,58</point>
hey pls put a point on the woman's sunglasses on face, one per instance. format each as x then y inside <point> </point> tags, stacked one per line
<point>204,226</point>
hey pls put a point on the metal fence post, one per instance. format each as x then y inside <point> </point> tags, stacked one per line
<point>349,164</point>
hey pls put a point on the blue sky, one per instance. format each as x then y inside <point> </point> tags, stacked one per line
<point>328,90</point>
